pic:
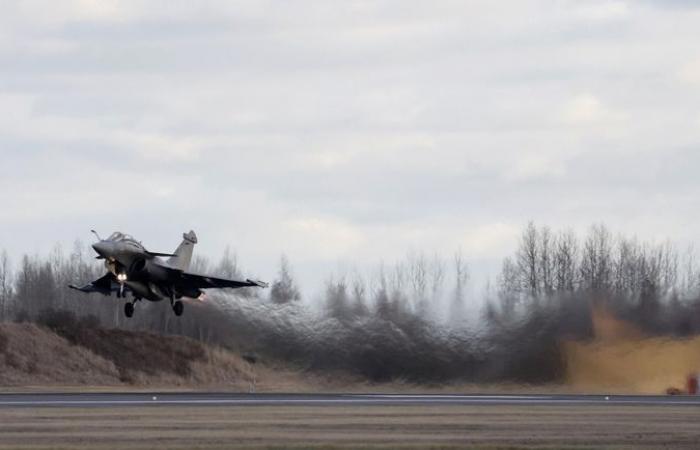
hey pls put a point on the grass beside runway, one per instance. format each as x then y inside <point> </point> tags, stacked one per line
<point>450,426</point>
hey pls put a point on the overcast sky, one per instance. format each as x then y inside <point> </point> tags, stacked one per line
<point>345,133</point>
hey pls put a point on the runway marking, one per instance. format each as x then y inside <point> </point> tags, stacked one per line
<point>368,400</point>
<point>379,399</point>
<point>466,397</point>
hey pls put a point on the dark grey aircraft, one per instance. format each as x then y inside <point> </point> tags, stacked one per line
<point>132,268</point>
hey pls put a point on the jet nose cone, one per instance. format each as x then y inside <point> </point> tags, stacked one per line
<point>101,247</point>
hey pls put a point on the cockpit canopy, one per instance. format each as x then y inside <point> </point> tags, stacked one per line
<point>118,236</point>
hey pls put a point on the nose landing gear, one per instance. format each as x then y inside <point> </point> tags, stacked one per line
<point>128,309</point>
<point>121,279</point>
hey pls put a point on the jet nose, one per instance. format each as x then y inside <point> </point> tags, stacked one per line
<point>102,248</point>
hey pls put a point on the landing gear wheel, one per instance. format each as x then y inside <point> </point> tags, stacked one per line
<point>178,307</point>
<point>128,309</point>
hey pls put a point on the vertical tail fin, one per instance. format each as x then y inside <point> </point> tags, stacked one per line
<point>183,254</point>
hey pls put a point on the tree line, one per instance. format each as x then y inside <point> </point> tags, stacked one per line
<point>651,284</point>
<point>403,320</point>
<point>37,284</point>
<point>410,287</point>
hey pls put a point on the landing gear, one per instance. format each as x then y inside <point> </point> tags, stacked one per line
<point>177,305</point>
<point>128,309</point>
<point>129,306</point>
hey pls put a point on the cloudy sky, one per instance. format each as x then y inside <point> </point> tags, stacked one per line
<point>344,133</point>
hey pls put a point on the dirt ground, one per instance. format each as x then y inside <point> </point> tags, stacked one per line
<point>327,427</point>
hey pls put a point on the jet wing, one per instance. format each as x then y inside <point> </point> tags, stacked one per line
<point>206,282</point>
<point>104,285</point>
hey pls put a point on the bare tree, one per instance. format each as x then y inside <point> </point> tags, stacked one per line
<point>689,285</point>
<point>337,299</point>
<point>461,272</point>
<point>596,262</point>
<point>508,287</point>
<point>380,294</point>
<point>527,259</point>
<point>5,284</point>
<point>60,271</point>
<point>228,264</point>
<point>284,288</point>
<point>199,264</point>
<point>228,267</point>
<point>397,292</point>
<point>437,278</point>
<point>418,278</point>
<point>626,278</point>
<point>545,256</point>
<point>359,300</point>
<point>669,261</point>
<point>565,261</point>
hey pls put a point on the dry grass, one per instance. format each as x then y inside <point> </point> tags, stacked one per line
<point>33,358</point>
<point>511,427</point>
<point>36,358</point>
<point>31,355</point>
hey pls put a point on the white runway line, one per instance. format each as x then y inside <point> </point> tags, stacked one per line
<point>359,399</point>
<point>366,400</point>
<point>465,397</point>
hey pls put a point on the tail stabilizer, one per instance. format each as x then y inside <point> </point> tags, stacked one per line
<point>183,254</point>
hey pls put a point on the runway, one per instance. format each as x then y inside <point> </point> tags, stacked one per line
<point>179,399</point>
<point>184,420</point>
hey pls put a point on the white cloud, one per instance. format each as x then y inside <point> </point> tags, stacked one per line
<point>325,238</point>
<point>351,131</point>
<point>533,166</point>
<point>484,240</point>
<point>161,148</point>
<point>690,72</point>
<point>43,13</point>
<point>589,109</point>
<point>600,10</point>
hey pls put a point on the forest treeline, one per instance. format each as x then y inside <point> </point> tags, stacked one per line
<point>654,285</point>
<point>412,320</point>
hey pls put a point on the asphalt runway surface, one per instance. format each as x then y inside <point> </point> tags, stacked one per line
<point>178,399</point>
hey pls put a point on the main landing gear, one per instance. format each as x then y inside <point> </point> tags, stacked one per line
<point>178,306</point>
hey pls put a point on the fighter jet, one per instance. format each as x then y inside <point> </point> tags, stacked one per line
<point>133,269</point>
